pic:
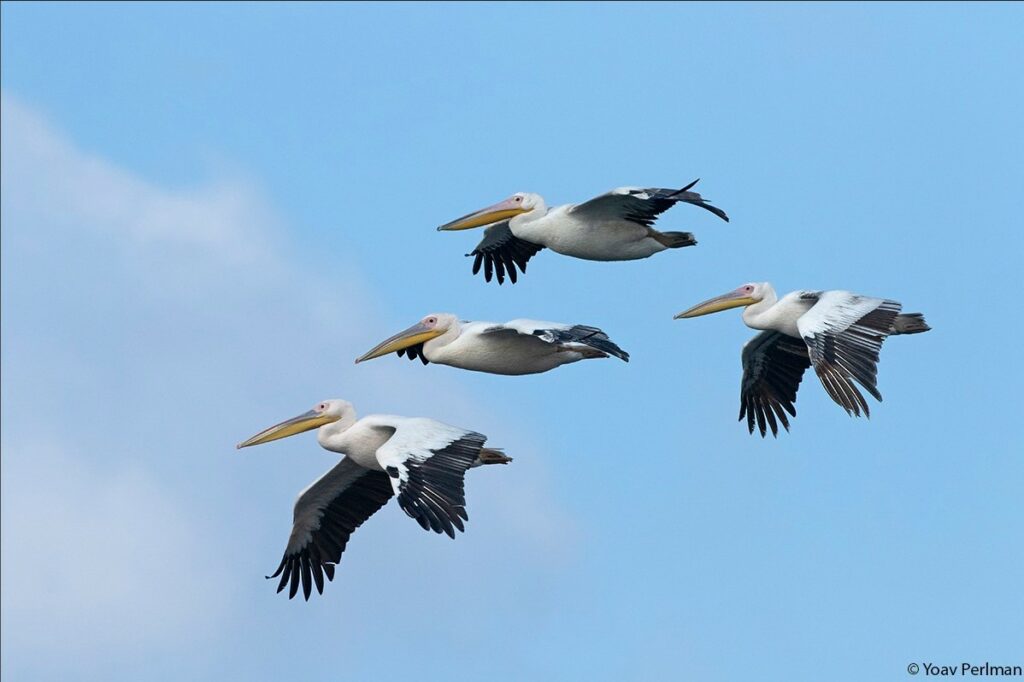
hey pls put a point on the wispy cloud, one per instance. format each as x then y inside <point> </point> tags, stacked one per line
<point>53,180</point>
<point>95,558</point>
<point>147,329</point>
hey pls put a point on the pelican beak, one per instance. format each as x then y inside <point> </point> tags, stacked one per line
<point>733,299</point>
<point>492,214</point>
<point>418,333</point>
<point>304,422</point>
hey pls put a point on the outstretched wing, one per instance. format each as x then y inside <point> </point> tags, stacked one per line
<point>501,251</point>
<point>773,365</point>
<point>639,205</point>
<point>844,333</point>
<point>426,462</point>
<point>326,514</point>
<point>565,335</point>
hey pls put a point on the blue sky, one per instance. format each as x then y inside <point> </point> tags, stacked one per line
<point>209,210</point>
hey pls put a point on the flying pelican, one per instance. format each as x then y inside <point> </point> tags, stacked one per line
<point>613,226</point>
<point>838,332</point>
<point>516,347</point>
<point>422,461</point>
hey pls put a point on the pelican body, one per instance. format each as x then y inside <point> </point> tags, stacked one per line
<point>421,461</point>
<point>512,348</point>
<point>612,227</point>
<point>839,333</point>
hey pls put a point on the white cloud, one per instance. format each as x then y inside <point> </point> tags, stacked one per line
<point>99,559</point>
<point>153,328</point>
<point>51,179</point>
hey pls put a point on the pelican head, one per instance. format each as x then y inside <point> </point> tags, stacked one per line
<point>748,294</point>
<point>430,327</point>
<point>326,412</point>
<point>520,202</point>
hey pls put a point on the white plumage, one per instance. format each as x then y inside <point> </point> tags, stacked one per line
<point>512,348</point>
<point>615,226</point>
<point>839,333</point>
<point>421,461</point>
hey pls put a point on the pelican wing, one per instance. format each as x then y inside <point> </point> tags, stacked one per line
<point>326,514</point>
<point>639,205</point>
<point>844,333</point>
<point>501,251</point>
<point>427,462</point>
<point>563,335</point>
<point>773,365</point>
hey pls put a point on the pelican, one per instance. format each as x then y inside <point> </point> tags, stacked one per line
<point>513,348</point>
<point>838,332</point>
<point>422,461</point>
<point>613,226</point>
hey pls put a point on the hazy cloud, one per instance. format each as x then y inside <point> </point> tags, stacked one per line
<point>145,331</point>
<point>97,558</point>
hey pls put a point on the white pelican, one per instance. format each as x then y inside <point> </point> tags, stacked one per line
<point>838,332</point>
<point>516,347</point>
<point>613,226</point>
<point>422,461</point>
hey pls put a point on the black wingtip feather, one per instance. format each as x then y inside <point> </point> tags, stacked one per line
<point>293,586</point>
<point>433,493</point>
<point>307,577</point>
<point>585,335</point>
<point>773,366</point>
<point>307,564</point>
<point>499,252</point>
